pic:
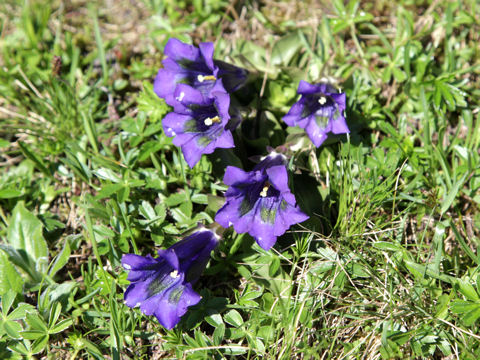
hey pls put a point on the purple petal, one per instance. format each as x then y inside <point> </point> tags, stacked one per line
<point>264,235</point>
<point>224,141</point>
<point>340,100</point>
<point>134,262</point>
<point>164,85</point>
<point>278,176</point>
<point>286,217</point>
<point>194,245</point>
<point>170,257</point>
<point>191,153</point>
<point>187,95</point>
<point>166,314</point>
<point>173,123</point>
<point>136,293</point>
<point>177,50</point>
<point>315,133</point>
<point>206,49</point>
<point>232,76</point>
<point>294,114</point>
<point>305,88</point>
<point>222,103</point>
<point>185,138</point>
<point>339,126</point>
<point>235,175</point>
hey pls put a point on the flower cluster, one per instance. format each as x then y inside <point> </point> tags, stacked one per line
<point>197,88</point>
<point>258,202</point>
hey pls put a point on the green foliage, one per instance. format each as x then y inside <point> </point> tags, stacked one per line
<point>386,267</point>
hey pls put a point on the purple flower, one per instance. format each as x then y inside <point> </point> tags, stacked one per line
<point>162,286</point>
<point>186,64</point>
<point>233,77</point>
<point>319,111</point>
<point>198,123</point>
<point>259,201</point>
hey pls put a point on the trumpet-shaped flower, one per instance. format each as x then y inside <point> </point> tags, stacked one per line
<point>259,201</point>
<point>187,64</point>
<point>162,286</point>
<point>319,111</point>
<point>198,123</point>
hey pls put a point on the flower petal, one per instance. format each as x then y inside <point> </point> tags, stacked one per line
<point>206,49</point>
<point>278,177</point>
<point>177,50</point>
<point>164,85</point>
<point>173,123</point>
<point>307,88</point>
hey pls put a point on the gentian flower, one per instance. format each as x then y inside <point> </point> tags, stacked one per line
<point>233,77</point>
<point>319,111</point>
<point>259,201</point>
<point>198,123</point>
<point>162,286</point>
<point>187,64</point>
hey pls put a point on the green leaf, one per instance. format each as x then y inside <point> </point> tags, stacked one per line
<point>36,322</point>
<point>274,266</point>
<point>219,334</point>
<point>29,154</point>
<point>62,325</point>
<point>32,334</point>
<point>25,235</point>
<point>285,49</point>
<point>39,344</point>
<point>149,148</point>
<point>107,174</point>
<point>9,193</point>
<point>462,306</point>
<point>452,195</point>
<point>54,314</point>
<point>10,279</point>
<point>387,246</point>
<point>20,347</point>
<point>108,190</point>
<point>20,311</point>
<point>7,301</point>
<point>12,329</point>
<point>467,290</point>
<point>233,318</point>
<point>61,259</point>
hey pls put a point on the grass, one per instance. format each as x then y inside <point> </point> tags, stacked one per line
<point>387,267</point>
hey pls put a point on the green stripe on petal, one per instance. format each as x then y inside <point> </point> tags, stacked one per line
<point>159,284</point>
<point>268,214</point>
<point>246,206</point>
<point>190,126</point>
<point>175,295</point>
<point>203,141</point>
<point>322,121</point>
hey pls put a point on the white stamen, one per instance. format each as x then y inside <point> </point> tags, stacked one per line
<point>173,132</point>
<point>322,100</point>
<point>127,267</point>
<point>264,191</point>
<point>137,304</point>
<point>181,96</point>
<point>209,121</point>
<point>202,78</point>
<point>174,274</point>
